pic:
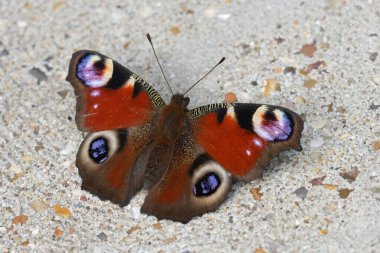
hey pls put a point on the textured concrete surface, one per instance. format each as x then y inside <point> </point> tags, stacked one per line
<point>323,199</point>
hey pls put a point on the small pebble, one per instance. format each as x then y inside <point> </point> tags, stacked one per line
<point>22,24</point>
<point>289,71</point>
<point>77,193</point>
<point>376,145</point>
<point>300,100</point>
<point>38,74</point>
<point>254,83</point>
<point>58,233</point>
<point>301,192</point>
<point>316,142</point>
<point>376,80</point>
<point>70,147</point>
<point>38,205</point>
<point>330,187</point>
<point>373,106</point>
<point>256,194</point>
<point>78,205</point>
<point>2,24</point>
<point>350,175</point>
<point>224,16</point>
<point>373,56</point>
<point>4,52</point>
<point>135,212</point>
<point>146,12</point>
<point>63,93</point>
<point>62,211</point>
<point>341,109</point>
<point>310,83</point>
<point>157,225</point>
<point>20,219</point>
<point>316,157</point>
<point>317,181</point>
<point>318,124</point>
<point>209,13</point>
<point>230,97</point>
<point>331,207</point>
<point>344,193</point>
<point>175,30</point>
<point>308,50</point>
<point>133,229</point>
<point>35,231</point>
<point>269,86</point>
<point>102,236</point>
<point>315,65</point>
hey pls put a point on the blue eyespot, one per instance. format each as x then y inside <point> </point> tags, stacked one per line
<point>207,185</point>
<point>98,150</point>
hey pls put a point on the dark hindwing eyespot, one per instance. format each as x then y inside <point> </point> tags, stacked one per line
<point>99,147</point>
<point>207,185</point>
<point>98,150</point>
<point>210,181</point>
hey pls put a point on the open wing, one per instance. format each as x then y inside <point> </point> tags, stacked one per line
<point>109,96</point>
<point>116,107</point>
<point>244,137</point>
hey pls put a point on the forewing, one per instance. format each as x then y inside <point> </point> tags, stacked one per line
<point>109,96</point>
<point>243,138</point>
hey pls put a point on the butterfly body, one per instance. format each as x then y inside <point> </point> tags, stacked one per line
<point>186,158</point>
<point>168,125</point>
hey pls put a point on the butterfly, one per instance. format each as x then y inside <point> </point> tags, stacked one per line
<point>186,158</point>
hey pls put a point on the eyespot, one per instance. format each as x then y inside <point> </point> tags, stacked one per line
<point>210,182</point>
<point>98,150</point>
<point>98,147</point>
<point>272,124</point>
<point>94,71</point>
<point>207,185</point>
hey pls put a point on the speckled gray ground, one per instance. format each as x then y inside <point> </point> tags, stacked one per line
<point>39,139</point>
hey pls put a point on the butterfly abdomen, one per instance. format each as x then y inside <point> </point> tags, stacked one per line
<point>168,127</point>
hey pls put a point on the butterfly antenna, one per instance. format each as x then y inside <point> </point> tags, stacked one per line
<point>222,60</point>
<point>159,64</point>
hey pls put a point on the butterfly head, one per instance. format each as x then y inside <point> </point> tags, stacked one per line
<point>180,100</point>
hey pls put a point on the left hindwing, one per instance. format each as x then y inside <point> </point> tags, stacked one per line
<point>243,138</point>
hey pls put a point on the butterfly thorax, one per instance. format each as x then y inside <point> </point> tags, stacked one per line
<point>171,119</point>
<point>167,130</point>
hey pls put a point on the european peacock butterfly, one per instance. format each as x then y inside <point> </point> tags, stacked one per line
<point>186,158</point>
